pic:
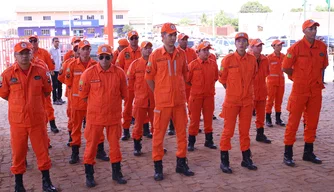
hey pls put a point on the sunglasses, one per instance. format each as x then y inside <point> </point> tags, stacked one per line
<point>33,40</point>
<point>134,38</point>
<point>102,57</point>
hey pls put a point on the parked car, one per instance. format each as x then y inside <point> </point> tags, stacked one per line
<point>223,46</point>
<point>330,43</point>
<point>95,43</point>
<point>267,49</point>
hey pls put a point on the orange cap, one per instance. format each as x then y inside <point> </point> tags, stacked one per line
<point>145,43</point>
<point>132,33</point>
<point>277,42</point>
<point>256,42</point>
<point>83,44</point>
<point>33,36</point>
<point>181,36</point>
<point>22,46</point>
<point>123,42</point>
<point>310,23</point>
<point>203,45</point>
<point>74,39</point>
<point>104,49</point>
<point>168,28</point>
<point>241,35</point>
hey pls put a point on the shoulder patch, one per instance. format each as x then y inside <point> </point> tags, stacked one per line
<point>80,82</point>
<point>149,64</point>
<point>289,56</point>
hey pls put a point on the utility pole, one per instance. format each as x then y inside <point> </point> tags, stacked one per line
<point>110,25</point>
<point>305,1</point>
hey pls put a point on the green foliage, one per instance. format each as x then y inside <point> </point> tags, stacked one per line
<point>127,28</point>
<point>254,7</point>
<point>297,10</point>
<point>222,19</point>
<point>204,19</point>
<point>323,8</point>
<point>184,21</point>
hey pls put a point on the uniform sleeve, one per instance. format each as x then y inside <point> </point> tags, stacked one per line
<point>216,72</point>
<point>84,85</point>
<point>289,59</point>
<point>224,71</point>
<point>123,86</point>
<point>49,61</point>
<point>131,76</point>
<point>4,88</point>
<point>151,68</point>
<point>190,74</point>
<point>61,76</point>
<point>120,60</point>
<point>326,59</point>
<point>185,68</point>
<point>267,67</point>
<point>69,74</point>
<point>47,87</point>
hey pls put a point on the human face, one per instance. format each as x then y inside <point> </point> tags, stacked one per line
<point>23,58</point>
<point>183,43</point>
<point>34,42</point>
<point>56,43</point>
<point>310,32</point>
<point>203,54</point>
<point>105,60</point>
<point>169,39</point>
<point>241,44</point>
<point>257,49</point>
<point>146,51</point>
<point>85,52</point>
<point>277,48</point>
<point>134,41</point>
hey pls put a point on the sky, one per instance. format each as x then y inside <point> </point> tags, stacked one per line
<point>139,6</point>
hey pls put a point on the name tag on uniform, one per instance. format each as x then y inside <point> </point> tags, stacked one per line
<point>37,77</point>
<point>95,81</point>
<point>161,59</point>
<point>273,63</point>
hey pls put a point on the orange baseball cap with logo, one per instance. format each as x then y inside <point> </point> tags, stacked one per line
<point>75,39</point>
<point>145,43</point>
<point>123,42</point>
<point>22,46</point>
<point>83,44</point>
<point>310,23</point>
<point>241,35</point>
<point>277,42</point>
<point>104,49</point>
<point>168,28</point>
<point>203,45</point>
<point>181,36</point>
<point>33,36</point>
<point>256,42</point>
<point>132,33</point>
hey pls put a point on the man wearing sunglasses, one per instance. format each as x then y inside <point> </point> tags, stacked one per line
<point>79,107</point>
<point>124,59</point>
<point>103,87</point>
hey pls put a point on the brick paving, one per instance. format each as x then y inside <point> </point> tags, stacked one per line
<point>272,174</point>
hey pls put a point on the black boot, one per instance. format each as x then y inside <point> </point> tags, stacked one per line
<point>69,138</point>
<point>260,136</point>
<point>191,142</point>
<point>84,123</point>
<point>19,183</point>
<point>53,126</point>
<point>75,155</point>
<point>137,147</point>
<point>126,134</point>
<point>247,161</point>
<point>309,155</point>
<point>158,168</point>
<point>209,141</point>
<point>171,130</point>
<point>89,170</point>
<point>214,117</point>
<point>182,167</point>
<point>101,154</point>
<point>268,120</point>
<point>47,184</point>
<point>200,130</point>
<point>146,130</point>
<point>279,120</point>
<point>254,112</point>
<point>133,120</point>
<point>117,174</point>
<point>225,162</point>
<point>288,153</point>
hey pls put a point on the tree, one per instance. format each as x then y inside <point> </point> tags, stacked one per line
<point>204,19</point>
<point>127,28</point>
<point>222,19</point>
<point>254,7</point>
<point>323,8</point>
<point>184,21</point>
<point>297,10</point>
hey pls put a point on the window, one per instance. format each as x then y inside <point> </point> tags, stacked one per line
<point>46,18</point>
<point>102,17</point>
<point>45,32</point>
<point>119,16</point>
<point>28,18</point>
<point>77,17</point>
<point>63,32</point>
<point>27,32</point>
<point>90,30</point>
<point>90,17</point>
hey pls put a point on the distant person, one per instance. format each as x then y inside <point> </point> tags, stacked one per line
<point>122,44</point>
<point>57,90</point>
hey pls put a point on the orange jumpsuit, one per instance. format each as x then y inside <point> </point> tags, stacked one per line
<point>202,76</point>
<point>144,99</point>
<point>275,83</point>
<point>45,56</point>
<point>26,114</point>
<point>308,61</point>
<point>115,55</point>
<point>124,60</point>
<point>169,72</point>
<point>237,73</point>
<point>105,90</point>
<point>260,90</point>
<point>68,55</point>
<point>78,105</point>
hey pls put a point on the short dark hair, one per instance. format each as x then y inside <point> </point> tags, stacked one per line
<point>55,38</point>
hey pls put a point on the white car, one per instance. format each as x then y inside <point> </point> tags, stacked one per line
<point>267,48</point>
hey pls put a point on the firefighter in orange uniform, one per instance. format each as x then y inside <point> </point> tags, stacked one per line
<point>122,44</point>
<point>103,86</point>
<point>124,60</point>
<point>69,54</point>
<point>25,85</point>
<point>305,62</point>
<point>275,84</point>
<point>238,70</point>
<point>260,89</point>
<point>166,74</point>
<point>78,106</point>
<point>203,74</point>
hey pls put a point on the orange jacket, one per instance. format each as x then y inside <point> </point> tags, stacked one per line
<point>238,74</point>
<point>45,56</point>
<point>275,76</point>
<point>169,75</point>
<point>69,54</point>
<point>307,62</point>
<point>190,54</point>
<point>144,97</point>
<point>260,86</point>
<point>25,94</point>
<point>73,73</point>
<point>105,90</point>
<point>62,73</point>
<point>126,57</point>
<point>202,76</point>
<point>115,55</point>
<point>212,57</point>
